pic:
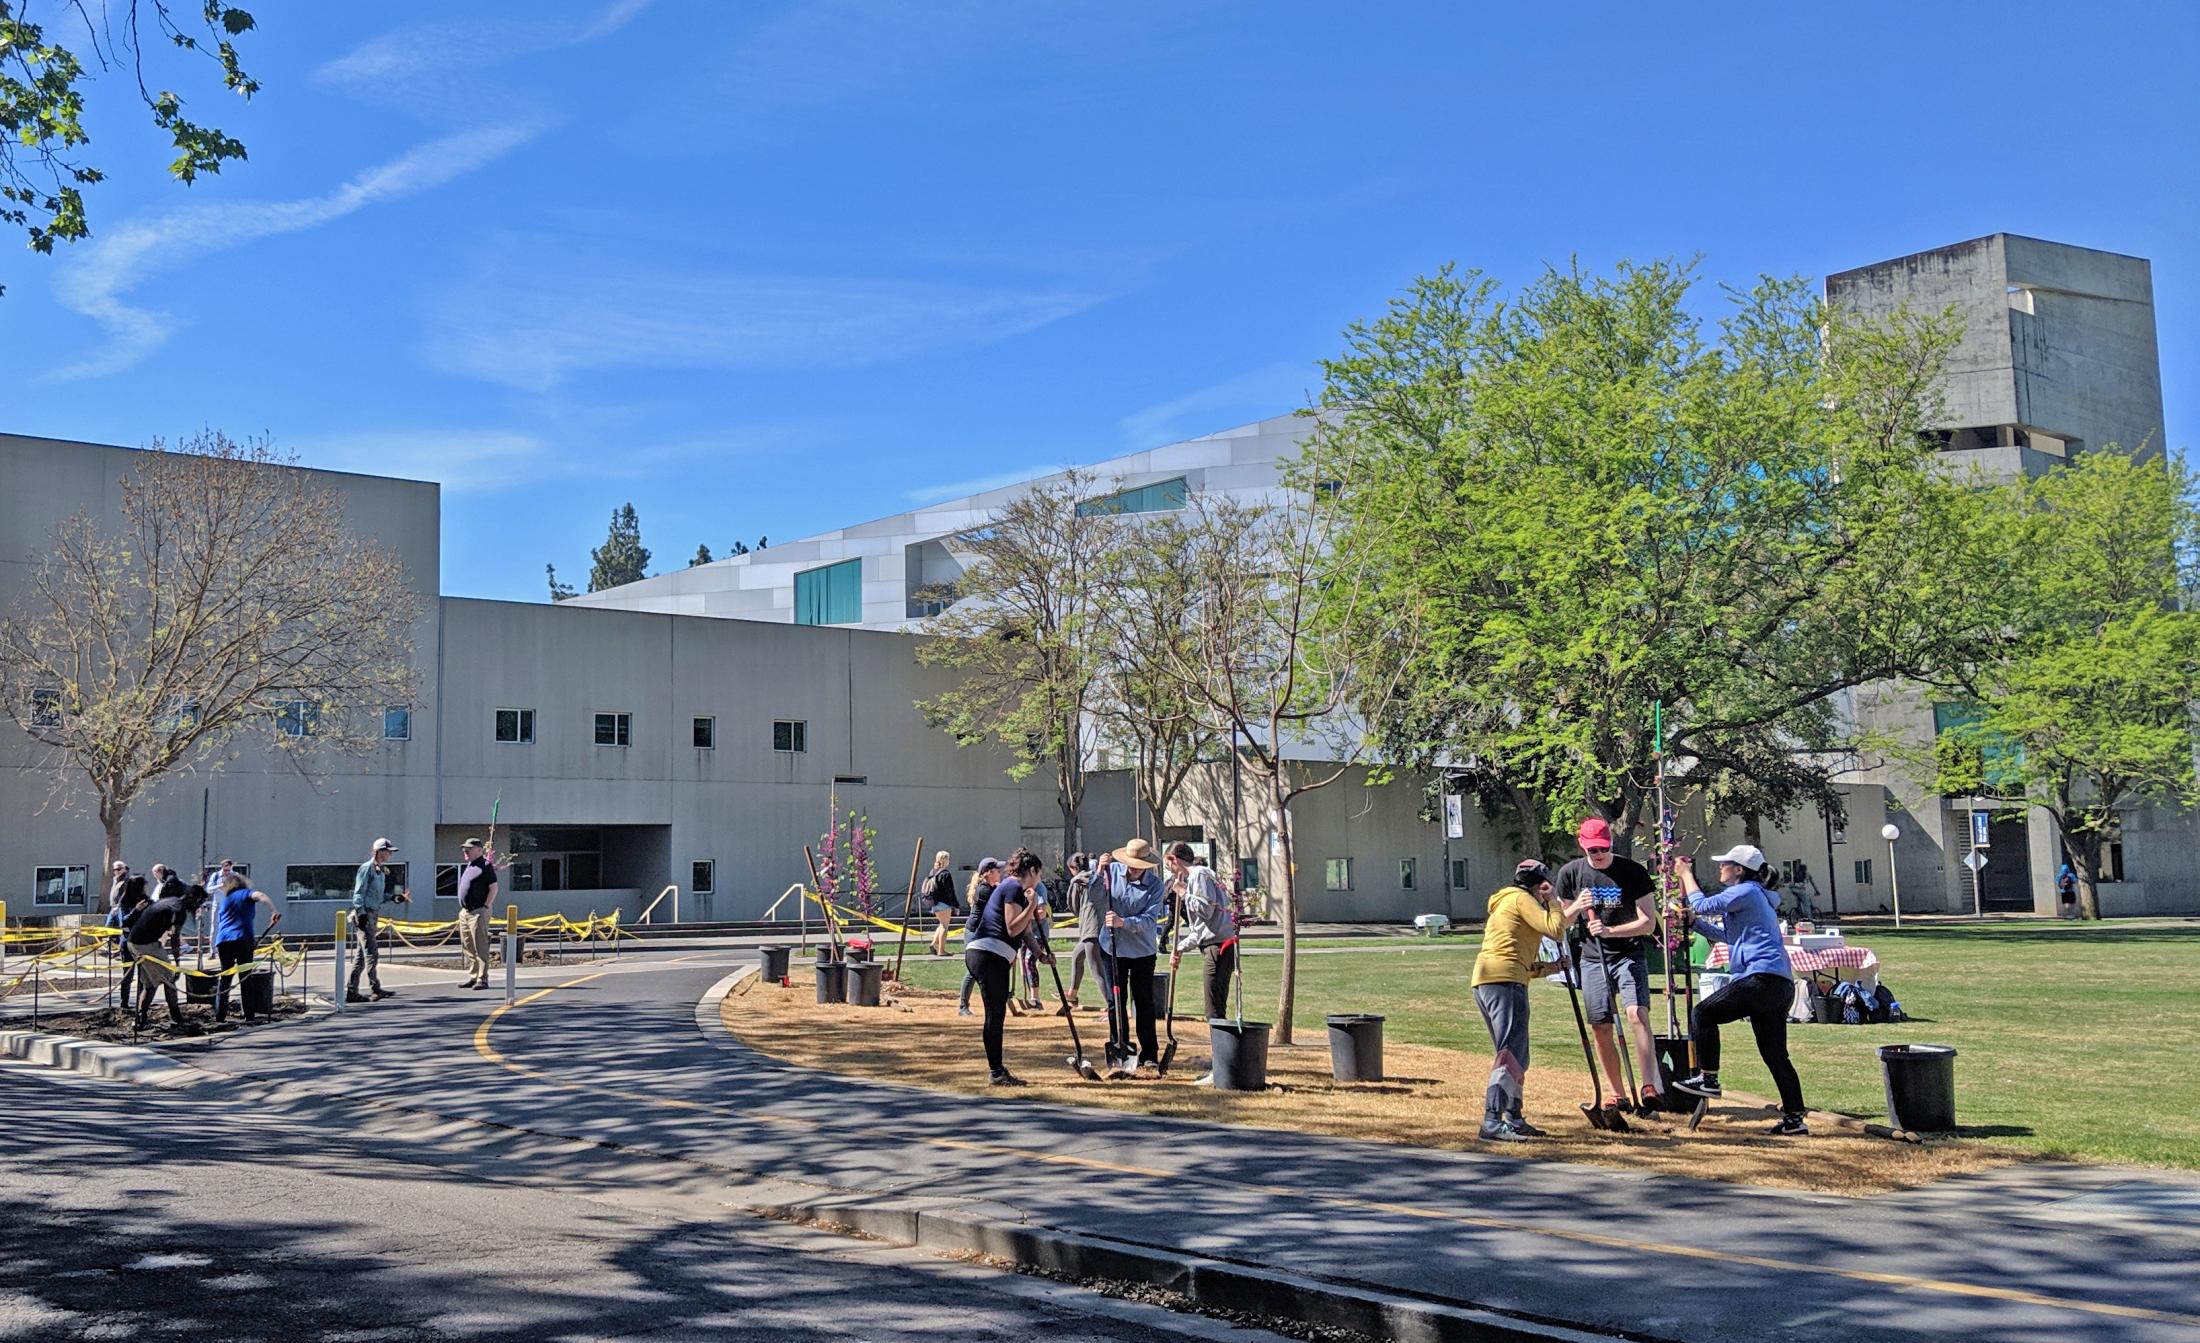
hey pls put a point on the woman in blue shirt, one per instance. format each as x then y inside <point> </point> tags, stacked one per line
<point>1762,983</point>
<point>996,926</point>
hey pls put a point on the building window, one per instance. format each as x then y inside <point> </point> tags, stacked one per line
<point>706,734</point>
<point>446,881</point>
<point>46,709</point>
<point>1163,496</point>
<point>1863,871</point>
<point>516,725</point>
<point>614,729</point>
<point>2112,861</point>
<point>182,718</point>
<point>1406,873</point>
<point>789,734</point>
<point>330,881</point>
<point>832,595</point>
<point>397,723</point>
<point>703,876</point>
<point>1459,874</point>
<point>1248,874</point>
<point>297,717</point>
<point>59,885</point>
<point>1337,874</point>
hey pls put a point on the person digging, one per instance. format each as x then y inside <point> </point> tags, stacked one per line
<point>1762,984</point>
<point>1615,958</point>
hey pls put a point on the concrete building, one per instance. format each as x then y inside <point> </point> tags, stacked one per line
<point>696,729</point>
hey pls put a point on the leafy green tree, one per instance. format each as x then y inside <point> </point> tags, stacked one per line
<point>702,556</point>
<point>622,558</point>
<point>1595,500</point>
<point>51,53</point>
<point>737,548</point>
<point>558,591</point>
<point>2089,708</point>
<point>1026,629</point>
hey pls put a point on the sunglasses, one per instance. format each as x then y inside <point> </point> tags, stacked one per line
<point>1596,848</point>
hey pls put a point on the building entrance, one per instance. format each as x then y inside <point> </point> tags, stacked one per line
<point>2004,885</point>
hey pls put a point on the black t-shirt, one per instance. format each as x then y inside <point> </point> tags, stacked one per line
<point>477,883</point>
<point>157,920</point>
<point>1614,892</point>
<point>940,890</point>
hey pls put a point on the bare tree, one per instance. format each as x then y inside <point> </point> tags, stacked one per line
<point>227,603</point>
<point>1139,704</point>
<point>1273,663</point>
<point>1025,629</point>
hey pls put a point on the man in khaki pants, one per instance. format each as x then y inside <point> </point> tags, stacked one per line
<point>477,893</point>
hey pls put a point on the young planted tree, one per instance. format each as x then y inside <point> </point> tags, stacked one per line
<point>1273,608</point>
<point>1597,501</point>
<point>1029,619</point>
<point>226,605</point>
<point>2089,708</point>
<point>1139,705</point>
<point>50,53</point>
<point>622,558</point>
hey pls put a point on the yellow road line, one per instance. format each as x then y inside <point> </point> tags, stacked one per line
<point>1904,1281</point>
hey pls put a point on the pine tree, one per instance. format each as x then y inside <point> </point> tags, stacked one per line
<point>622,558</point>
<point>737,548</point>
<point>702,556</point>
<point>558,591</point>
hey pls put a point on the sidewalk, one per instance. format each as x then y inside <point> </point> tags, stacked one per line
<point>612,1055</point>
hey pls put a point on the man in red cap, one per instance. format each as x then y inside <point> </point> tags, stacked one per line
<point>1615,956</point>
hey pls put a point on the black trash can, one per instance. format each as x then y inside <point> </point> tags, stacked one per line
<point>858,955</point>
<point>259,994</point>
<point>1240,1054</point>
<point>1921,1086</point>
<point>825,953</point>
<point>863,982</point>
<point>1355,1047</point>
<point>775,963</point>
<point>832,981</point>
<point>198,986</point>
<point>1825,1009</point>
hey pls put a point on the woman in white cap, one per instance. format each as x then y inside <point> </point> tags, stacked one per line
<point>1762,986</point>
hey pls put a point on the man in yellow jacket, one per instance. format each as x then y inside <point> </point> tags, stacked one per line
<point>1520,917</point>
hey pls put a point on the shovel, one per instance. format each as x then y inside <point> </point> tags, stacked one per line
<point>1592,1109</point>
<point>1077,1057</point>
<point>1168,1051</point>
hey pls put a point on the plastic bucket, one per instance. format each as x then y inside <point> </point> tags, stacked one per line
<point>858,955</point>
<point>775,963</point>
<point>259,994</point>
<point>1921,1086</point>
<point>1355,1047</point>
<point>1825,1009</point>
<point>1240,1054</point>
<point>198,986</point>
<point>863,983</point>
<point>832,982</point>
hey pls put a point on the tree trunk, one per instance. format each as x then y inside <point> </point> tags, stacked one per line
<point>110,819</point>
<point>1287,906</point>
<point>1753,829</point>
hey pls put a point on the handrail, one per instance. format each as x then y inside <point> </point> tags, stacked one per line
<point>674,892</point>
<point>773,912</point>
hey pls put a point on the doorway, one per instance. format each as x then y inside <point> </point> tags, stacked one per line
<point>2004,885</point>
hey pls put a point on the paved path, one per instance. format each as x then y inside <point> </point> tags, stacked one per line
<point>184,1216</point>
<point>613,1054</point>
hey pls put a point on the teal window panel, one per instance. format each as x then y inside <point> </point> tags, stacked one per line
<point>1163,496</point>
<point>832,595</point>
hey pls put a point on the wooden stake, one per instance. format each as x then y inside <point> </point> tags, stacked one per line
<point>908,899</point>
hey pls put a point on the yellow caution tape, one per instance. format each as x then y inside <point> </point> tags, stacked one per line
<point>858,916</point>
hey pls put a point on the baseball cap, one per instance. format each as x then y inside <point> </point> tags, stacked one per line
<point>472,842</point>
<point>384,843</point>
<point>1596,832</point>
<point>984,863</point>
<point>1748,855</point>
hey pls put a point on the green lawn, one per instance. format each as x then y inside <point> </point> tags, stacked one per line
<point>2073,1040</point>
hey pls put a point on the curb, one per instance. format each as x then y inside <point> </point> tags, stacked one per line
<point>1217,1284</point>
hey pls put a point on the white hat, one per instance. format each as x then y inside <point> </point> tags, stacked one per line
<point>1748,855</point>
<point>382,844</point>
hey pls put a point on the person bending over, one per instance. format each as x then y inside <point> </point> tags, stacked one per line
<point>1520,917</point>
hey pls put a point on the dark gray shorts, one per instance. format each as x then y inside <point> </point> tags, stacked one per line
<point>1630,973</point>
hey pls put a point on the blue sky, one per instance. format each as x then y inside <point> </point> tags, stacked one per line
<point>768,269</point>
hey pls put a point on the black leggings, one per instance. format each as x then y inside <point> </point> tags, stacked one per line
<point>1137,973</point>
<point>1764,1000</point>
<point>991,972</point>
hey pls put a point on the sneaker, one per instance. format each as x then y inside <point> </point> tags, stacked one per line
<point>1005,1078</point>
<point>1502,1132</point>
<point>1205,1080</point>
<point>1701,1084</point>
<point>1621,1104</point>
<point>1790,1126</point>
<point>1652,1102</point>
<point>1148,1069</point>
<point>1526,1129</point>
<point>964,1011</point>
<point>380,993</point>
<point>355,996</point>
<point>482,985</point>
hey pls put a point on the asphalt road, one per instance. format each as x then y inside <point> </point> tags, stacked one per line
<point>157,1214</point>
<point>612,1055</point>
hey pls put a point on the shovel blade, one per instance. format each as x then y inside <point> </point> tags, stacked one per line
<point>1595,1115</point>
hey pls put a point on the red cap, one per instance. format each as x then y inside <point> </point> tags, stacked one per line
<point>1595,832</point>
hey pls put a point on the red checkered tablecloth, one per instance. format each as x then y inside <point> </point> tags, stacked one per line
<point>1810,962</point>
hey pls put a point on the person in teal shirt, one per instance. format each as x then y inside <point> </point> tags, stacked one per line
<point>371,888</point>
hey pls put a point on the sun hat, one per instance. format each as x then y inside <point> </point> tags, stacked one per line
<point>1747,855</point>
<point>1136,853</point>
<point>1596,832</point>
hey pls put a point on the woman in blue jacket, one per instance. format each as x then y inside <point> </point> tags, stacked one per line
<point>1762,983</point>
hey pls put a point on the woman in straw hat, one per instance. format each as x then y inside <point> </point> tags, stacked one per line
<point>1132,903</point>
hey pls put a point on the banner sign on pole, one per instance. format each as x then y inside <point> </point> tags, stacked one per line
<point>1980,823</point>
<point>1455,816</point>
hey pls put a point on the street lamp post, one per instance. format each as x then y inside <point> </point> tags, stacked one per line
<point>1892,832</point>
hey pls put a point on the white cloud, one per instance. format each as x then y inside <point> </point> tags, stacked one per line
<point>96,279</point>
<point>1276,389</point>
<point>933,494</point>
<point>530,318</point>
<point>414,66</point>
